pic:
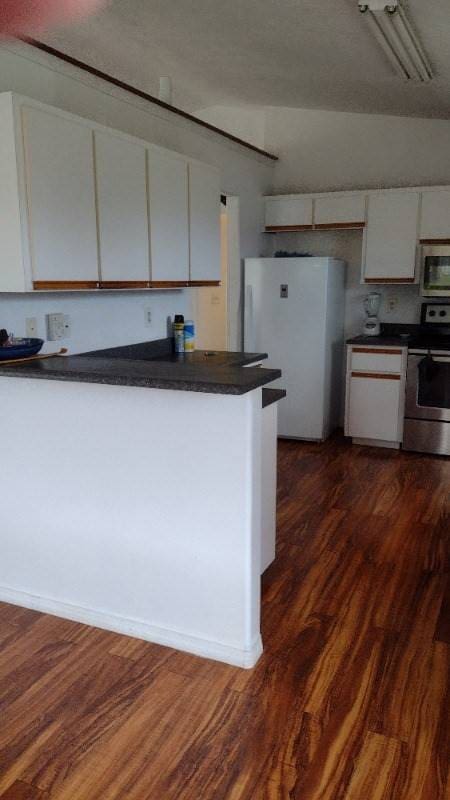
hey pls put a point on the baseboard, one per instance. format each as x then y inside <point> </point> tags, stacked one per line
<point>136,628</point>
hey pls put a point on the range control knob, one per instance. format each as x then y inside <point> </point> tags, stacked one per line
<point>432,313</point>
<point>443,313</point>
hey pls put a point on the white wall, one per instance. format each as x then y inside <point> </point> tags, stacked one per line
<point>329,150</point>
<point>246,123</point>
<point>119,318</point>
<point>97,320</point>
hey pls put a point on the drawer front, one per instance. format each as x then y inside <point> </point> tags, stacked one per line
<point>376,359</point>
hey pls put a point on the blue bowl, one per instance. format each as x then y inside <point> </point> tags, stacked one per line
<point>20,349</point>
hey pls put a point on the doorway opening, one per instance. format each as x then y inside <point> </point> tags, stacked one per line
<point>217,308</point>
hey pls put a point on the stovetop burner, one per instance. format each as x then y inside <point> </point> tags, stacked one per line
<point>434,333</point>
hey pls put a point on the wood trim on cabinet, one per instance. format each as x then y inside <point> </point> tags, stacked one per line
<point>378,350</point>
<point>168,284</point>
<point>336,226</point>
<point>204,283</point>
<point>435,241</point>
<point>287,228</point>
<point>389,280</point>
<point>384,376</point>
<point>75,62</point>
<point>124,284</point>
<point>64,285</point>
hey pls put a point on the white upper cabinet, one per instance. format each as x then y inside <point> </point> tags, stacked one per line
<point>83,206</point>
<point>341,210</point>
<point>169,218</point>
<point>59,166</point>
<point>391,237</point>
<point>435,217</point>
<point>289,212</point>
<point>122,209</point>
<point>204,222</point>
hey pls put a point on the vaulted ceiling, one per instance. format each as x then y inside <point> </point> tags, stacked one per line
<point>297,53</point>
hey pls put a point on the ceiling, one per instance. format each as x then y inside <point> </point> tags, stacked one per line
<point>297,53</point>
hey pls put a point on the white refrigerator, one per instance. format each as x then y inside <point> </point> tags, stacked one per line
<point>294,311</point>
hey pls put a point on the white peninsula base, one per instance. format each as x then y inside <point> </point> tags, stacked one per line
<point>136,510</point>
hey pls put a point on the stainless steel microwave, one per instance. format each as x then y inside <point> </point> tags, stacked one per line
<point>436,270</point>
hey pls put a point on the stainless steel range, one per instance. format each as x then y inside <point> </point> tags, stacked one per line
<point>427,409</point>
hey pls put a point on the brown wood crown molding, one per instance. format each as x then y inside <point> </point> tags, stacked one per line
<point>75,62</point>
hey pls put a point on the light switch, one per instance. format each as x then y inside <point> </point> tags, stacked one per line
<point>284,290</point>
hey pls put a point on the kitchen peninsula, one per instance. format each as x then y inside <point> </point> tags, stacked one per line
<point>132,494</point>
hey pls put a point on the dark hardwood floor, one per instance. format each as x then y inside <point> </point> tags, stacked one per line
<point>350,701</point>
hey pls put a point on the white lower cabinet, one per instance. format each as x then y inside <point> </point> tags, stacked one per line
<point>375,396</point>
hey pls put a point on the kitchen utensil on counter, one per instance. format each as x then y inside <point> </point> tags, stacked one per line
<point>372,306</point>
<point>22,360</point>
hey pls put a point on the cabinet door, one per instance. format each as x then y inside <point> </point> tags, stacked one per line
<point>204,222</point>
<point>290,212</point>
<point>341,211</point>
<point>122,209</point>
<point>435,221</point>
<point>169,221</point>
<point>374,406</point>
<point>391,237</point>
<point>60,187</point>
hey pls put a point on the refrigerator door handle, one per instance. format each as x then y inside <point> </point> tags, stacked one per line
<point>249,344</point>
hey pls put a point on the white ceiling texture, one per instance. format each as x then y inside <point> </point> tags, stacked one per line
<point>296,53</point>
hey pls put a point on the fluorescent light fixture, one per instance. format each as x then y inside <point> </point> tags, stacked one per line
<point>397,37</point>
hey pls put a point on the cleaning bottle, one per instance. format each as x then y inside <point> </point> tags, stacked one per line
<point>178,333</point>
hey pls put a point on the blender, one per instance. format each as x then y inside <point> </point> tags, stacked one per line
<point>372,306</point>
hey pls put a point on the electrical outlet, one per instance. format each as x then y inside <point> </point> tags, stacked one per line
<point>391,304</point>
<point>31,327</point>
<point>148,316</point>
<point>56,327</point>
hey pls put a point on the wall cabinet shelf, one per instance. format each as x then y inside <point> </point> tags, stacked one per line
<point>87,208</point>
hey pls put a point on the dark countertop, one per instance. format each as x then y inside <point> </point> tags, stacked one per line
<point>270,396</point>
<point>381,341</point>
<point>149,365</point>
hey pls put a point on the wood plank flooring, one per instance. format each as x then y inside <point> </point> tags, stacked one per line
<point>350,701</point>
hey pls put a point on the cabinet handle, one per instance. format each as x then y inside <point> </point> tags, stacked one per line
<point>377,376</point>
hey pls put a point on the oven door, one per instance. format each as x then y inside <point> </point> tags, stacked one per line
<point>428,388</point>
<point>436,271</point>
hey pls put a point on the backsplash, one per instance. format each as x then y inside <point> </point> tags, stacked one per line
<point>97,320</point>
